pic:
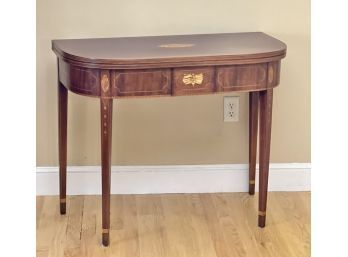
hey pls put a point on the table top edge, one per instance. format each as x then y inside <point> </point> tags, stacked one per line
<point>278,53</point>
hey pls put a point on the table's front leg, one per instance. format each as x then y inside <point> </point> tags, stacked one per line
<point>266,98</point>
<point>106,136</point>
<point>62,143</point>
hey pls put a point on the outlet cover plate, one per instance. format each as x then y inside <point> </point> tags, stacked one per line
<point>231,108</point>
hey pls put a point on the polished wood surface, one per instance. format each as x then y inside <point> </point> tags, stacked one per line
<point>106,139</point>
<point>265,146</point>
<point>172,225</point>
<point>170,66</point>
<point>62,143</point>
<point>253,130</point>
<point>170,51</point>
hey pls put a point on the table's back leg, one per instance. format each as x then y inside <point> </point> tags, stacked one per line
<point>106,136</point>
<point>253,129</point>
<point>62,143</point>
<point>266,98</point>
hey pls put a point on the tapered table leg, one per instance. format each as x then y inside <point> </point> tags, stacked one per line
<point>253,129</point>
<point>266,98</point>
<point>62,143</point>
<point>106,133</point>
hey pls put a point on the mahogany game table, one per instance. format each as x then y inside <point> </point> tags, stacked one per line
<point>112,68</point>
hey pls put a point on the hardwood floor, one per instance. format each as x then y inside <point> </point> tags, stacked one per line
<point>176,225</point>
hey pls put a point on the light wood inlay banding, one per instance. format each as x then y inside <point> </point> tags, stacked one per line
<point>262,213</point>
<point>270,74</point>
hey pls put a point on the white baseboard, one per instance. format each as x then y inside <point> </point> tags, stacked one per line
<point>86,180</point>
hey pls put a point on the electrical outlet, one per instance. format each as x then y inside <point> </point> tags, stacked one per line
<point>231,108</point>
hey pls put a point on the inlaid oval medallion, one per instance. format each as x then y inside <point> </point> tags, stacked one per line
<point>105,83</point>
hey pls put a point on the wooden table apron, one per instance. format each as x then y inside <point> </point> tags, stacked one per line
<point>170,66</point>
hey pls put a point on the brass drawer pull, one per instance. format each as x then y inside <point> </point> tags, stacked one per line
<point>193,79</point>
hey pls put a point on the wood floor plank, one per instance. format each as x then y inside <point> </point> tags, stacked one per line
<point>221,246</point>
<point>117,226</point>
<point>75,206</point>
<point>179,228</point>
<point>176,225</point>
<point>51,232</point>
<point>241,209</point>
<point>152,240</point>
<point>124,227</point>
<point>200,226</point>
<point>229,226</point>
<point>293,223</point>
<point>91,228</point>
<point>305,198</point>
<point>131,235</point>
<point>270,240</point>
<point>39,204</point>
<point>46,228</point>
